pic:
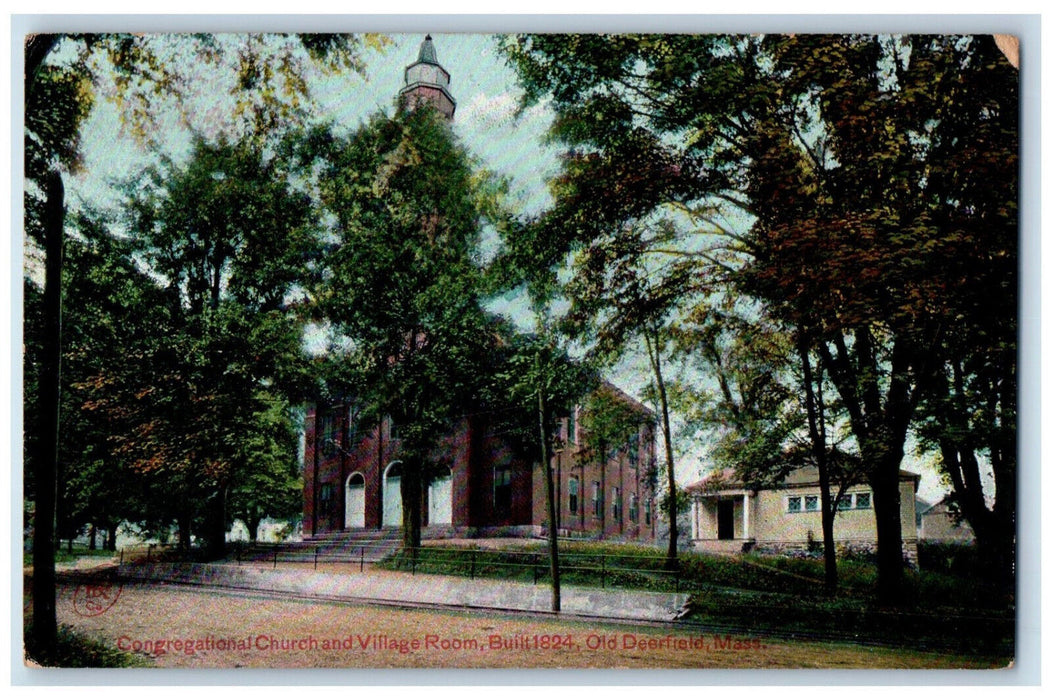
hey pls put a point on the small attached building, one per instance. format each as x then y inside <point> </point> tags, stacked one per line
<point>729,516</point>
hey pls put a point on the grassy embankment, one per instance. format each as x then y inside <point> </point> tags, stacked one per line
<point>946,604</point>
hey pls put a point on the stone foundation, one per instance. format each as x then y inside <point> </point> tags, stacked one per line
<point>451,532</point>
<point>854,549</point>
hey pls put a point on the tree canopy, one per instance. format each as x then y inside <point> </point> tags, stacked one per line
<point>848,167</point>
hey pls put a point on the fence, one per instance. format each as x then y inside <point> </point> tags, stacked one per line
<point>613,569</point>
<point>604,569</point>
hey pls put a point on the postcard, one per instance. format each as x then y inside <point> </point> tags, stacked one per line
<point>552,350</point>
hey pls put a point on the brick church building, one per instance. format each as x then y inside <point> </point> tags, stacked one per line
<point>352,474</point>
<point>352,480</point>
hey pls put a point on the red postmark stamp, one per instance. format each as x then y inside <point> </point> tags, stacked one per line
<point>95,598</point>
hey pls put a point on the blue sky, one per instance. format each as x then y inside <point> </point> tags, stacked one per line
<point>487,98</point>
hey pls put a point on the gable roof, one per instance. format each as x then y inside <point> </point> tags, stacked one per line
<point>728,480</point>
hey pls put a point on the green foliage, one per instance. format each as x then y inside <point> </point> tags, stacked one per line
<point>774,595</point>
<point>853,164</point>
<point>76,650</point>
<point>186,374</point>
<point>403,280</point>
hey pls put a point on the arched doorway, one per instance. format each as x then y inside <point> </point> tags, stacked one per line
<point>393,495</point>
<point>354,508</point>
<point>440,499</point>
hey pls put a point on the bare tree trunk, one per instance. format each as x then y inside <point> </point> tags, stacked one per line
<point>412,497</point>
<point>45,624</point>
<point>549,493</point>
<point>654,353</point>
<point>818,448</point>
<point>111,536</point>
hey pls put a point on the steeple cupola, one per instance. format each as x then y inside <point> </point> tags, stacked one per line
<point>427,81</point>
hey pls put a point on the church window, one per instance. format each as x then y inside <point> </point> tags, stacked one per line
<point>502,489</point>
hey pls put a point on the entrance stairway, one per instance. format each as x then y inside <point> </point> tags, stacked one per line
<point>359,545</point>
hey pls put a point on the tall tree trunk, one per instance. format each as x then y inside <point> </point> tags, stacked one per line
<point>654,353</point>
<point>215,528</point>
<point>45,624</point>
<point>887,508</point>
<point>879,422</point>
<point>412,498</point>
<point>91,537</point>
<point>111,536</point>
<point>818,449</point>
<point>252,523</point>
<point>549,494</point>
<point>184,521</point>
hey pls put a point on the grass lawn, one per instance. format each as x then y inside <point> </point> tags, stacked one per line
<point>775,595</point>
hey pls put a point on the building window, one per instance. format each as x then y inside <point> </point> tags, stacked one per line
<point>326,433</point>
<point>392,429</point>
<point>633,450</point>
<point>325,497</point>
<point>352,427</point>
<point>862,500</point>
<point>646,512</point>
<point>844,503</point>
<point>597,501</point>
<point>810,503</point>
<point>633,508</point>
<point>793,504</point>
<point>571,427</point>
<point>575,486</point>
<point>615,496</point>
<point>502,489</point>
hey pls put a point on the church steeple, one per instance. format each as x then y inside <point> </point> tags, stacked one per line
<point>427,81</point>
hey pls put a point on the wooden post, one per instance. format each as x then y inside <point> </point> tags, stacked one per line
<point>473,564</point>
<point>315,558</point>
<point>361,559</point>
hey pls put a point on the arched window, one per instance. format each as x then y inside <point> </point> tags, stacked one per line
<point>574,490</point>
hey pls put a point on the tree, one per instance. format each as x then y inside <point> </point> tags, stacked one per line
<point>57,100</point>
<point>233,242</point>
<point>839,155</point>
<point>540,373</point>
<point>272,485</point>
<point>871,199</point>
<point>618,296</point>
<point>403,282</point>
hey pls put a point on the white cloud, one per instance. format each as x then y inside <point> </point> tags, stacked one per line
<point>489,112</point>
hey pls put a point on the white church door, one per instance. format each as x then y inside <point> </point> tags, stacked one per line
<point>440,500</point>
<point>393,495</point>
<point>354,509</point>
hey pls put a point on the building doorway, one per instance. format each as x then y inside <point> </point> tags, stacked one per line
<point>354,505</point>
<point>393,495</point>
<point>725,520</point>
<point>440,499</point>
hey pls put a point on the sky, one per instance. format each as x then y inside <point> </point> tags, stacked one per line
<point>487,98</point>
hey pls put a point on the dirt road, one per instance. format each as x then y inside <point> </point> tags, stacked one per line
<point>178,626</point>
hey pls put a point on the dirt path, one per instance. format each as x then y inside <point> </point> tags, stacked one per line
<point>187,627</point>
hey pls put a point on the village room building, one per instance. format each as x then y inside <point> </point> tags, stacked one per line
<point>730,517</point>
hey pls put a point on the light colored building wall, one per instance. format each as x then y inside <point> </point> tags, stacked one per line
<point>938,525</point>
<point>771,521</point>
<point>776,524</point>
